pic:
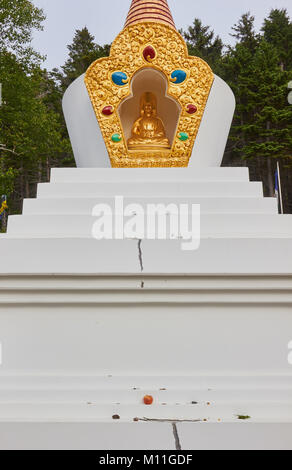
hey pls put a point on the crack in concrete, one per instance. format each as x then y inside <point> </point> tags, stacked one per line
<point>140,255</point>
<point>173,423</point>
<point>176,437</point>
<point>165,420</point>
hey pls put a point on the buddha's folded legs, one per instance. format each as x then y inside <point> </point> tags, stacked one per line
<point>140,140</point>
<point>135,142</point>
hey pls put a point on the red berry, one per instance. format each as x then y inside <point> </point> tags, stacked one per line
<point>148,400</point>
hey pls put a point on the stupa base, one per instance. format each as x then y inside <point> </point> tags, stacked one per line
<point>89,327</point>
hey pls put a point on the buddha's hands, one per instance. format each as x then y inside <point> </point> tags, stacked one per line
<point>149,134</point>
<point>160,135</point>
<point>136,129</point>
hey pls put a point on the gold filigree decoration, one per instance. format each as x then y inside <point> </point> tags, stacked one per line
<point>127,56</point>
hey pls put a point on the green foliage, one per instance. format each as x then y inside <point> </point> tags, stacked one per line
<point>30,125</point>
<point>262,127</point>
<point>263,121</point>
<point>7,178</point>
<point>82,52</point>
<point>244,32</point>
<point>17,21</point>
<point>277,31</point>
<point>202,43</point>
<point>30,129</point>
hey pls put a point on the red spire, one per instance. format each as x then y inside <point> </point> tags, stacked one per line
<point>153,10</point>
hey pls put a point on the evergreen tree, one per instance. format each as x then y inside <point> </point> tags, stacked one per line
<point>244,32</point>
<point>203,43</point>
<point>277,31</point>
<point>262,127</point>
<point>82,52</point>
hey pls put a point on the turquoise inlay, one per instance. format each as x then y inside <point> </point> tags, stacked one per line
<point>178,76</point>
<point>116,138</point>
<point>120,78</point>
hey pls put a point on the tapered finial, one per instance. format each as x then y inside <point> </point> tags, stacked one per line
<point>156,11</point>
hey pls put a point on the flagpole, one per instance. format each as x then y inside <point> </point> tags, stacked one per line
<point>280,189</point>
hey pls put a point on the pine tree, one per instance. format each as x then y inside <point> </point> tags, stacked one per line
<point>262,127</point>
<point>235,70</point>
<point>82,52</point>
<point>277,30</point>
<point>244,32</point>
<point>203,43</point>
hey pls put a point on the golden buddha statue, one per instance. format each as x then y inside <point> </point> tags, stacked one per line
<point>148,132</point>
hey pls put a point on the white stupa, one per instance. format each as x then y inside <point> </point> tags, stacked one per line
<point>89,328</point>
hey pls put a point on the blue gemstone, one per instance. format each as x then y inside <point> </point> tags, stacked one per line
<point>120,78</point>
<point>178,76</point>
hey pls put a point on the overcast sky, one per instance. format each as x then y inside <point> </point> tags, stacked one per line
<point>105,19</point>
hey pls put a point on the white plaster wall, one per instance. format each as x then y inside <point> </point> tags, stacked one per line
<point>215,126</point>
<point>145,333</point>
<point>86,139</point>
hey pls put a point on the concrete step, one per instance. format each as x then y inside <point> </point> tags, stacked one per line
<point>212,225</point>
<point>98,399</point>
<point>43,255</point>
<point>93,412</point>
<point>184,396</point>
<point>217,205</point>
<point>157,189</point>
<point>147,175</point>
<point>147,436</point>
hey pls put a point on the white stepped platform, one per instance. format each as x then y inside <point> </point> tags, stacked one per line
<point>99,400</point>
<point>83,206</point>
<point>127,189</point>
<point>89,327</point>
<point>147,175</point>
<point>94,360</point>
<point>149,436</point>
<point>212,226</point>
<point>33,255</point>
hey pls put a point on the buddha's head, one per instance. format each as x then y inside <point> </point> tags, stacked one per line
<point>148,105</point>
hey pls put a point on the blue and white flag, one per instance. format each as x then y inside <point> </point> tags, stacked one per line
<point>278,190</point>
<point>277,185</point>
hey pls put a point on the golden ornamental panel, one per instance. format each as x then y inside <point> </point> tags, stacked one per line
<point>108,81</point>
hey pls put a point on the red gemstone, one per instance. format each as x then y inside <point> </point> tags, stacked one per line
<point>149,53</point>
<point>191,109</point>
<point>108,110</point>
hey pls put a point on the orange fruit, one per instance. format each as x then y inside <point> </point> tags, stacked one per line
<point>148,400</point>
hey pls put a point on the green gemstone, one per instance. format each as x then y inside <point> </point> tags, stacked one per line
<point>116,138</point>
<point>183,136</point>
